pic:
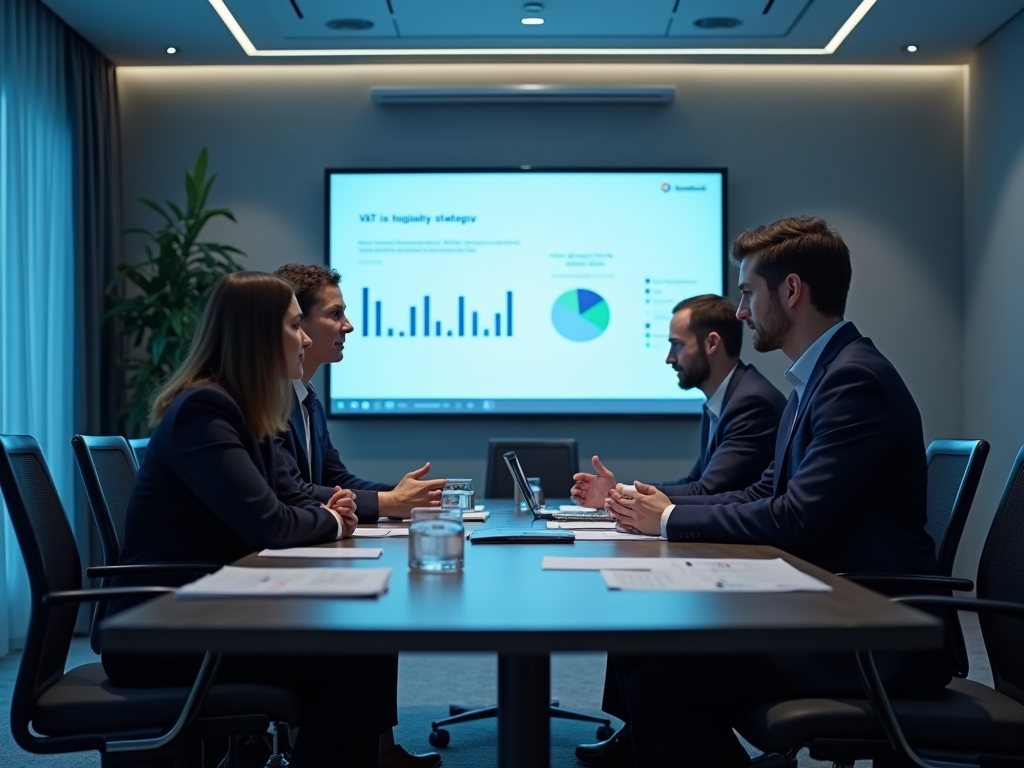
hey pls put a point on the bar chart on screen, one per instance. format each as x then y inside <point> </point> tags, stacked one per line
<point>429,318</point>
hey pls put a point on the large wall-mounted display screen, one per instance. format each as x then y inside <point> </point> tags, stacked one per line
<point>520,291</point>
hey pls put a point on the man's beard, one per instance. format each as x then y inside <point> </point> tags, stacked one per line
<point>696,373</point>
<point>771,331</point>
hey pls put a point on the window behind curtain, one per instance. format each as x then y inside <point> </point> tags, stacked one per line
<point>37,376</point>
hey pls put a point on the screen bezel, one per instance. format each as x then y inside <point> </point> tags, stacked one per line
<point>467,415</point>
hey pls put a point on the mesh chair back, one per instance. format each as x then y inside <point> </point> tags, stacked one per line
<point>553,461</point>
<point>53,564</point>
<point>107,465</point>
<point>139,446</point>
<point>954,469</point>
<point>1001,577</point>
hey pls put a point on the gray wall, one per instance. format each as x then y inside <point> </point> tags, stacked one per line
<point>994,269</point>
<point>877,150</point>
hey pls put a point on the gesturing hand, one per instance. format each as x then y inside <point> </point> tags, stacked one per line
<point>640,511</point>
<point>411,492</point>
<point>592,490</point>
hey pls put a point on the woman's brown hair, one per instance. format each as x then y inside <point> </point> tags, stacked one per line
<point>239,345</point>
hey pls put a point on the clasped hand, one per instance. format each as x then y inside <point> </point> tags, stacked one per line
<point>639,511</point>
<point>343,504</point>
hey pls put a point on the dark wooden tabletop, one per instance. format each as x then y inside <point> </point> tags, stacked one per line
<point>504,602</point>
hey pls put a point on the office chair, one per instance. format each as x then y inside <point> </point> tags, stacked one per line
<point>954,470</point>
<point>968,724</point>
<point>107,466</point>
<point>553,461</point>
<point>56,711</point>
<point>139,446</point>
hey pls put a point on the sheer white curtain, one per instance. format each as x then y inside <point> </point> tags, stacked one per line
<point>37,269</point>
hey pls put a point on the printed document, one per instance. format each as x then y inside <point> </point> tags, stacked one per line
<point>325,553</point>
<point>231,581</point>
<point>709,575</point>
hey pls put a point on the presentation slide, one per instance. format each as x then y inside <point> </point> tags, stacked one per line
<point>530,292</point>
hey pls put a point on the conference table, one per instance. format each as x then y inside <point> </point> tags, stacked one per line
<point>504,602</point>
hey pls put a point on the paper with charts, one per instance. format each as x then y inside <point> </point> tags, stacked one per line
<point>231,581</point>
<point>682,574</point>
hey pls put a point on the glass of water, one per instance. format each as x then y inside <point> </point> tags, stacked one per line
<point>458,494</point>
<point>436,540</point>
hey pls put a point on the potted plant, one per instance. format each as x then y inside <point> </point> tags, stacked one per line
<point>158,300</point>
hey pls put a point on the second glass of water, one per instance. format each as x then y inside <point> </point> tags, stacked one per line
<point>458,494</point>
<point>436,540</point>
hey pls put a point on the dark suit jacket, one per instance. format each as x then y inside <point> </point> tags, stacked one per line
<point>744,443</point>
<point>210,492</point>
<point>320,473</point>
<point>847,491</point>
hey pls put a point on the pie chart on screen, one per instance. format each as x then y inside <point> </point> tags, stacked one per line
<point>580,315</point>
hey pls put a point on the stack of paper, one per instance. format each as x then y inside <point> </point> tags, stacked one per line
<point>583,525</point>
<point>231,581</point>
<point>677,574</point>
<point>478,515</point>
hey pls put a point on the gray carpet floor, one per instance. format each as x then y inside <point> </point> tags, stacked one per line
<point>428,683</point>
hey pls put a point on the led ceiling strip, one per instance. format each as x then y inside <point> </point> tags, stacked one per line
<point>251,50</point>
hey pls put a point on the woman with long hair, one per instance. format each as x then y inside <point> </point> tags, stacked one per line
<point>214,487</point>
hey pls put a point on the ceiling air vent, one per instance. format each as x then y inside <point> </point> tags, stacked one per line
<point>717,22</point>
<point>525,94</point>
<point>350,25</point>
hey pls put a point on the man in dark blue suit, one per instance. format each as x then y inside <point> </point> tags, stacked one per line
<point>740,417</point>
<point>737,442</point>
<point>321,470</point>
<point>846,491</point>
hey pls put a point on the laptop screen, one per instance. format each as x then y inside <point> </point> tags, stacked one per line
<point>519,478</point>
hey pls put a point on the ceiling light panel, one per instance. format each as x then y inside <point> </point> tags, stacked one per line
<point>566,19</point>
<point>322,21</point>
<point>781,18</point>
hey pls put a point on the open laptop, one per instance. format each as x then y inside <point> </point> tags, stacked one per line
<point>540,512</point>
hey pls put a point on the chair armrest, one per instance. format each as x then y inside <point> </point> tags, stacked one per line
<point>895,580</point>
<point>100,595</point>
<point>976,605</point>
<point>104,571</point>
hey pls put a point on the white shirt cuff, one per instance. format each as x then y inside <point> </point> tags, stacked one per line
<point>341,526</point>
<point>664,520</point>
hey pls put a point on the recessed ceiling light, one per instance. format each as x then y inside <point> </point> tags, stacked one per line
<point>172,49</point>
<point>911,49</point>
<point>531,20</point>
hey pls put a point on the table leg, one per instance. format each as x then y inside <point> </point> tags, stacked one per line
<point>524,725</point>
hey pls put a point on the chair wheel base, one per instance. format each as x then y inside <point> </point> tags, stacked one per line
<point>605,732</point>
<point>773,760</point>
<point>440,737</point>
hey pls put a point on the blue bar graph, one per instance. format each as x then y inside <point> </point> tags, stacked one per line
<point>447,325</point>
